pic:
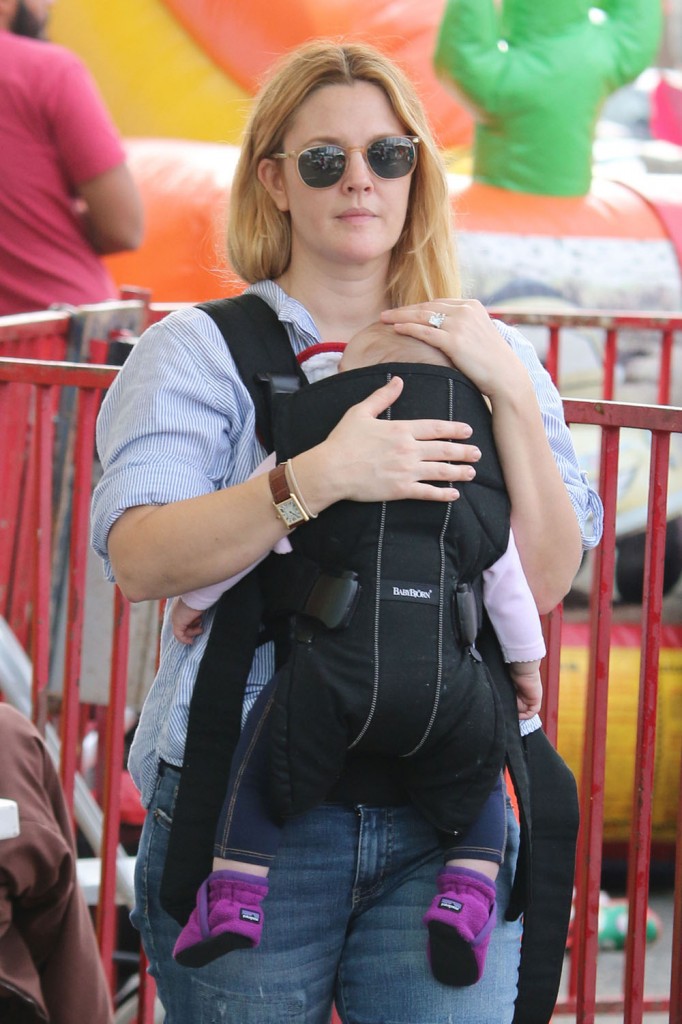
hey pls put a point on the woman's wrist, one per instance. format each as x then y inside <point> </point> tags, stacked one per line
<point>316,479</point>
<point>513,391</point>
<point>295,489</point>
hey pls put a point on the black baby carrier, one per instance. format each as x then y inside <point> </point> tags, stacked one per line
<point>397,673</point>
<point>357,611</point>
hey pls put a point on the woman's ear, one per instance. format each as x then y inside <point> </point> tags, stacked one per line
<point>271,178</point>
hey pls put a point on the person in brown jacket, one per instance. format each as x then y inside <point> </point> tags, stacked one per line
<point>50,969</point>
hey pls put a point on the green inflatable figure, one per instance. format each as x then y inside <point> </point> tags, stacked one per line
<point>536,73</point>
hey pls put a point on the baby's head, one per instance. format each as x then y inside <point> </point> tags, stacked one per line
<point>379,343</point>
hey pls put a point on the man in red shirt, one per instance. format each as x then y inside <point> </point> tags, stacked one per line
<point>66,194</point>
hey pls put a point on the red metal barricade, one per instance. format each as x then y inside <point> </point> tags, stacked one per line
<point>36,336</point>
<point>33,440</point>
<point>606,331</point>
<point>582,1000</point>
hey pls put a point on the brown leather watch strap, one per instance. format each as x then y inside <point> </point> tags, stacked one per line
<point>279,485</point>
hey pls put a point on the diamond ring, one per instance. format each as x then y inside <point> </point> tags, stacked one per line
<point>437,319</point>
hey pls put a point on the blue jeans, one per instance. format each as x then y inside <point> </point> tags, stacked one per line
<point>348,890</point>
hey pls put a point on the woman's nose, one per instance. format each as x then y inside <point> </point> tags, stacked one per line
<point>357,174</point>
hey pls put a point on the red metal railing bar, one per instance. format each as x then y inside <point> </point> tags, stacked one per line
<point>583,976</point>
<point>665,379</point>
<point>610,354</point>
<point>77,375</point>
<point>639,852</point>
<point>14,413</point>
<point>20,418</point>
<point>22,582</point>
<point>622,414</point>
<point>87,404</point>
<point>106,910</point>
<point>17,480</point>
<point>611,324</point>
<point>615,1005</point>
<point>32,326</point>
<point>40,647</point>
<point>642,320</point>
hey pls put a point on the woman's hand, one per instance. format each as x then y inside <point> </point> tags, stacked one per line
<point>467,338</point>
<point>544,522</point>
<point>370,459</point>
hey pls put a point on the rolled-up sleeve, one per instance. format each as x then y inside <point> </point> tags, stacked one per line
<point>172,425</point>
<point>585,500</point>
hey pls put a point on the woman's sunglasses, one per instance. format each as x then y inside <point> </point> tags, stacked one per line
<point>323,166</point>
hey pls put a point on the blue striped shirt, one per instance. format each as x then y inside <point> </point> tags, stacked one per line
<point>178,422</point>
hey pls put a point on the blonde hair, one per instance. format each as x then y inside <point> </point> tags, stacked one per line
<point>423,264</point>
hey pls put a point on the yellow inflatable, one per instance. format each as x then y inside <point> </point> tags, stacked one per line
<point>155,79</point>
<point>186,68</point>
<point>624,664</point>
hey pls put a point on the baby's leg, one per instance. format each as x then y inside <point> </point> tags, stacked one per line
<point>462,916</point>
<point>228,912</point>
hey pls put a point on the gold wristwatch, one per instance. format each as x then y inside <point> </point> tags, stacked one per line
<point>287,505</point>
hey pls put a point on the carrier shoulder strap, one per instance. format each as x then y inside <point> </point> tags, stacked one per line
<point>260,347</point>
<point>543,881</point>
<point>263,355</point>
<point>213,729</point>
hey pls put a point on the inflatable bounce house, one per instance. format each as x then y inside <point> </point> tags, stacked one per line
<point>522,82</point>
<point>513,90</point>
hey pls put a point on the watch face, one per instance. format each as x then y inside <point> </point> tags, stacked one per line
<point>291,512</point>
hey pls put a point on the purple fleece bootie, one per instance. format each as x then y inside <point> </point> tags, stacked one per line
<point>227,916</point>
<point>460,922</point>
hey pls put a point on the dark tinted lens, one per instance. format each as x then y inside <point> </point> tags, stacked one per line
<point>391,158</point>
<point>321,166</point>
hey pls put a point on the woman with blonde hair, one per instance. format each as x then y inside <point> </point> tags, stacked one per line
<point>339,217</point>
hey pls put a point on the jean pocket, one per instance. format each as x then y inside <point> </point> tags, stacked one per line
<point>166,796</point>
<point>162,819</point>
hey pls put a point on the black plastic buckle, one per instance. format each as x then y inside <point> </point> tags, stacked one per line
<point>279,383</point>
<point>466,616</point>
<point>332,599</point>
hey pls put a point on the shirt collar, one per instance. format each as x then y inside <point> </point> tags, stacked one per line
<point>296,318</point>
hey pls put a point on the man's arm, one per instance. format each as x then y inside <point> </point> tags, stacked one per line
<point>112,211</point>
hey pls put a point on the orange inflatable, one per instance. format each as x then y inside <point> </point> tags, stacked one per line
<point>611,248</point>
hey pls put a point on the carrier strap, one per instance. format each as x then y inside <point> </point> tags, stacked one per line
<point>212,734</point>
<point>260,347</point>
<point>543,882</point>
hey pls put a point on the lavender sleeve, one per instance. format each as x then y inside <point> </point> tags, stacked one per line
<point>511,608</point>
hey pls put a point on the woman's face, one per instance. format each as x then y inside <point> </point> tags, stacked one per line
<point>357,222</point>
